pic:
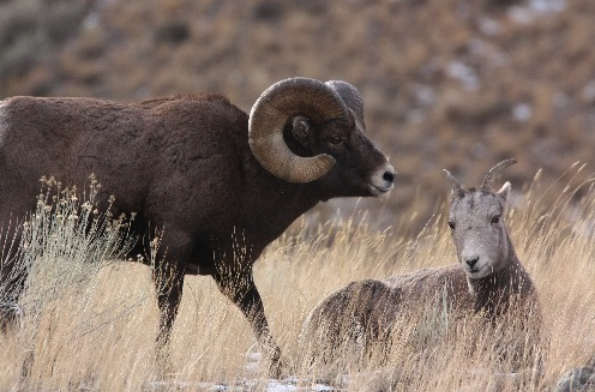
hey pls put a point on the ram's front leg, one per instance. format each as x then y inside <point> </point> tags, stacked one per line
<point>239,287</point>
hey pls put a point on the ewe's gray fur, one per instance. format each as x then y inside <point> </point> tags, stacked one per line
<point>580,379</point>
<point>489,279</point>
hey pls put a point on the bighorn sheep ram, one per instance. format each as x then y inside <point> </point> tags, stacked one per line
<point>488,279</point>
<point>213,178</point>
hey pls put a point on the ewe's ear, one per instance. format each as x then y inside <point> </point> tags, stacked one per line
<point>504,193</point>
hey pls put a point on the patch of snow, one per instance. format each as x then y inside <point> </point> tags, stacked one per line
<point>522,112</point>
<point>495,56</point>
<point>91,21</point>
<point>322,388</point>
<point>183,385</point>
<point>520,15</point>
<point>252,367</point>
<point>424,94</point>
<point>272,385</point>
<point>254,356</point>
<point>275,386</point>
<point>253,361</point>
<point>464,74</point>
<point>547,6</point>
<point>489,26</point>
<point>534,9</point>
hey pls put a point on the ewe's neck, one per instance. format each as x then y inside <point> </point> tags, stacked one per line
<point>492,293</point>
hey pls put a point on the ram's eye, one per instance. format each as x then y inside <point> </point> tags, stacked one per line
<point>335,140</point>
<point>451,225</point>
<point>496,220</point>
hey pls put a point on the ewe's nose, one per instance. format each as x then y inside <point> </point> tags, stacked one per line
<point>471,261</point>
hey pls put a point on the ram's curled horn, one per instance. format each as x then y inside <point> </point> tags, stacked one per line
<point>350,95</point>
<point>456,187</point>
<point>274,108</point>
<point>486,185</point>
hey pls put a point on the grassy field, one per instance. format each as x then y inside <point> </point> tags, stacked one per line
<point>91,326</point>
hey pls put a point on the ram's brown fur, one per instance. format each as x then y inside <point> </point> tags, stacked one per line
<point>195,167</point>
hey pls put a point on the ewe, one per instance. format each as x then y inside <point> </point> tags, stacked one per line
<point>489,280</point>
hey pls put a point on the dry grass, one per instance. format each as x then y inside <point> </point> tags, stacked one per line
<point>96,330</point>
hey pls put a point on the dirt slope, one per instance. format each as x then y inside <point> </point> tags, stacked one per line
<point>447,84</point>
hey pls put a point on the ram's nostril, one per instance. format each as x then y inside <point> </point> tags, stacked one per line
<point>389,176</point>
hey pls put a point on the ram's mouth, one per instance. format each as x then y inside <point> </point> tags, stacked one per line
<point>383,180</point>
<point>378,191</point>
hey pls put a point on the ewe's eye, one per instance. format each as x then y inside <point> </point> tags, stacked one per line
<point>335,140</point>
<point>451,225</point>
<point>496,220</point>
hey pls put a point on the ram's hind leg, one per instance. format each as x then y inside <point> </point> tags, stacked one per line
<point>169,282</point>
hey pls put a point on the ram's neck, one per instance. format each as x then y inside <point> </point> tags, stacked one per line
<point>268,205</point>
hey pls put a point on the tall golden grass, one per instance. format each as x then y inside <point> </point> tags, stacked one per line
<point>96,331</point>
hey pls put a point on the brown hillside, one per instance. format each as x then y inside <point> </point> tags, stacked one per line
<point>447,84</point>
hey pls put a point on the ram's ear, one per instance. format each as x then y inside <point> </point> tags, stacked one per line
<point>504,193</point>
<point>300,127</point>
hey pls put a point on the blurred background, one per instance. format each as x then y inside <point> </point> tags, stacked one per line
<point>457,84</point>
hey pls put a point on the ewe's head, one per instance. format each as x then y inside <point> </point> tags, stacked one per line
<point>476,220</point>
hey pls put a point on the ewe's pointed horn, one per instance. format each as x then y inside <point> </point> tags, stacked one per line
<point>486,185</point>
<point>456,187</point>
<point>271,111</point>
